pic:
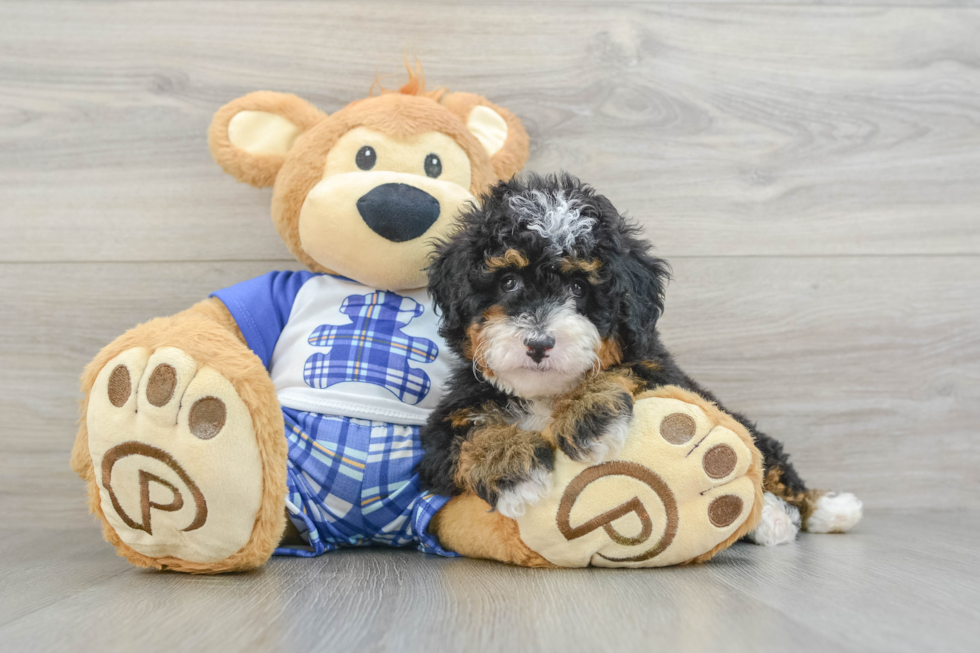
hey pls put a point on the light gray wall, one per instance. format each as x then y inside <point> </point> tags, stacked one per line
<point>812,172</point>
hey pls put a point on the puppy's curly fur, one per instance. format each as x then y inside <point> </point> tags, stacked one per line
<point>544,287</point>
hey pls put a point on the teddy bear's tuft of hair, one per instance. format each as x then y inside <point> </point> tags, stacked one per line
<point>414,86</point>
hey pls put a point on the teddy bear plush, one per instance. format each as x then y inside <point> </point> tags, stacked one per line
<point>282,414</point>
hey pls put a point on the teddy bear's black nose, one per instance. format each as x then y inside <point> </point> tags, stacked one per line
<point>398,212</point>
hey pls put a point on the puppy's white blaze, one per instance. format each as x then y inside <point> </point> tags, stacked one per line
<point>555,217</point>
<point>574,353</point>
<point>610,443</point>
<point>779,524</point>
<point>835,513</point>
<point>513,502</point>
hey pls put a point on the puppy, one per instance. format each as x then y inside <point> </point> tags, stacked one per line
<point>552,299</point>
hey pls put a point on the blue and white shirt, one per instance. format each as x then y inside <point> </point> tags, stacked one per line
<point>357,371</point>
<point>335,347</point>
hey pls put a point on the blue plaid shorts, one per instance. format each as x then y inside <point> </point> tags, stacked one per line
<point>352,482</point>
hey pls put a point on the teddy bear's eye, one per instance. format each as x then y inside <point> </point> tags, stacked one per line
<point>366,158</point>
<point>433,165</point>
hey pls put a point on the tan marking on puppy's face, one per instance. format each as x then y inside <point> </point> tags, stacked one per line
<point>475,347</point>
<point>590,268</point>
<point>610,353</point>
<point>510,258</point>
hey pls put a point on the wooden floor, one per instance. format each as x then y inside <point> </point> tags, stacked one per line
<point>901,582</point>
<point>811,169</point>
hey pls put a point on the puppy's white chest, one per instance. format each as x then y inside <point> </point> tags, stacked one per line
<point>538,416</point>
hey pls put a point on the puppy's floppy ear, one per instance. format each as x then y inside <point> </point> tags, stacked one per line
<point>640,282</point>
<point>451,288</point>
<point>249,137</point>
<point>501,133</point>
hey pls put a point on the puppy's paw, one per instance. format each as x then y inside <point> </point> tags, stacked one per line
<point>595,429</point>
<point>507,467</point>
<point>779,524</point>
<point>835,513</point>
<point>513,500</point>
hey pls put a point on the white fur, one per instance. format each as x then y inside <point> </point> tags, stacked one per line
<point>835,513</point>
<point>779,524</point>
<point>513,502</point>
<point>610,443</point>
<point>554,216</point>
<point>538,417</point>
<point>574,353</point>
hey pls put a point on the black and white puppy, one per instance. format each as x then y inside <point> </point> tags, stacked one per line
<point>552,298</point>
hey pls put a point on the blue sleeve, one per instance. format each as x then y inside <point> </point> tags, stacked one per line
<point>261,307</point>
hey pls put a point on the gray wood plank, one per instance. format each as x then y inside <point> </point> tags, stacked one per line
<point>878,579</point>
<point>727,130</point>
<point>42,566</point>
<point>870,590</point>
<point>868,369</point>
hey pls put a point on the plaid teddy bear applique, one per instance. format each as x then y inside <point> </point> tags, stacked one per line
<point>373,348</point>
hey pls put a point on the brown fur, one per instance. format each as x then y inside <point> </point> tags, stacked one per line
<point>211,343</point>
<point>257,170</point>
<point>610,353</point>
<point>496,452</point>
<point>590,268</point>
<point>473,348</point>
<point>651,365</point>
<point>510,258</point>
<point>805,502</point>
<point>467,525</point>
<point>511,158</point>
<point>461,418</point>
<point>414,86</point>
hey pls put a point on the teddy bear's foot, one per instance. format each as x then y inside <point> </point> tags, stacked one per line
<point>686,485</point>
<point>177,463</point>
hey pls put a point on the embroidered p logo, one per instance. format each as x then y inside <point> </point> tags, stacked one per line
<point>605,521</point>
<point>373,348</point>
<point>146,479</point>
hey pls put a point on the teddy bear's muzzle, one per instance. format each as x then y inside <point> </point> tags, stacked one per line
<point>398,212</point>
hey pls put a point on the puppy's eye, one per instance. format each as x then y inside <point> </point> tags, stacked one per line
<point>578,289</point>
<point>366,158</point>
<point>510,283</point>
<point>433,165</point>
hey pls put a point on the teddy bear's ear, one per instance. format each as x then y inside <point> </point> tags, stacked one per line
<point>500,132</point>
<point>249,137</point>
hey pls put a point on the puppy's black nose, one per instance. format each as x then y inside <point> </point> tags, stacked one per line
<point>537,345</point>
<point>398,212</point>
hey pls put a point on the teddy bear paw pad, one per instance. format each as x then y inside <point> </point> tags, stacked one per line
<point>680,486</point>
<point>175,456</point>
